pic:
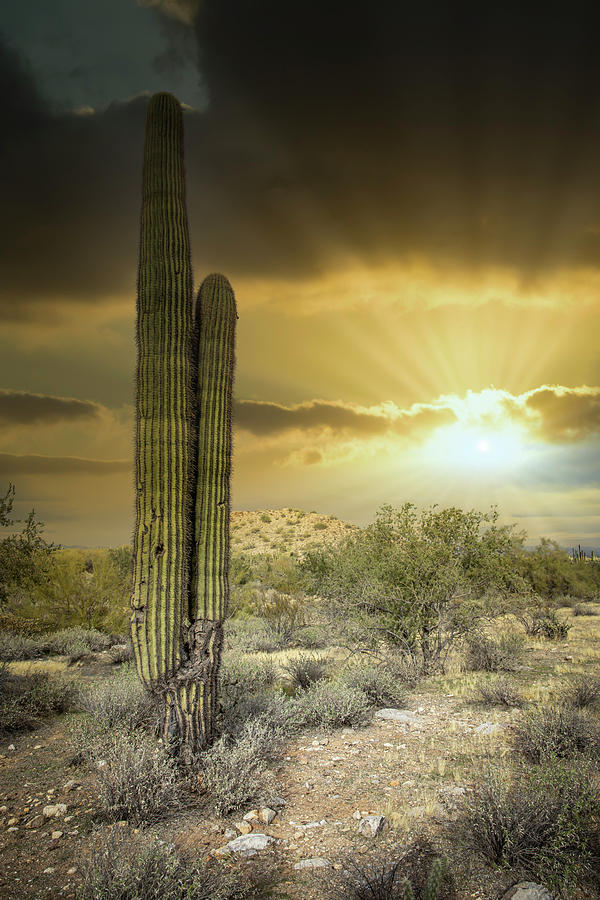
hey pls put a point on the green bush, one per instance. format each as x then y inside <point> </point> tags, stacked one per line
<point>15,645</point>
<point>330,705</point>
<point>125,866</point>
<point>119,701</point>
<point>306,669</point>
<point>555,733</point>
<point>313,637</point>
<point>135,779</point>
<point>73,641</point>
<point>25,700</point>
<point>252,636</point>
<point>542,823</point>
<point>380,685</point>
<point>487,654</point>
<point>265,517</point>
<point>234,771</point>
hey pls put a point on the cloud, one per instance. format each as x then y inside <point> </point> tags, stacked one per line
<point>565,414</point>
<point>263,418</point>
<point>12,465</point>
<point>184,11</point>
<point>23,408</point>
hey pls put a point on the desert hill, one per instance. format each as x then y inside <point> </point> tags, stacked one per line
<point>287,530</point>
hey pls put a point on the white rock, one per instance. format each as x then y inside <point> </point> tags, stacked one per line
<point>318,862</point>
<point>14,828</point>
<point>266,815</point>
<point>72,870</point>
<point>250,843</point>
<point>56,835</point>
<point>488,728</point>
<point>371,825</point>
<point>12,821</point>
<point>404,716</point>
<point>230,834</point>
<point>357,814</point>
<point>55,811</point>
<point>11,747</point>
<point>50,870</point>
<point>527,890</point>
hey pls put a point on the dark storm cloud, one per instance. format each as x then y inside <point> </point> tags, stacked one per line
<point>461,132</point>
<point>13,464</point>
<point>566,415</point>
<point>23,408</point>
<point>264,418</point>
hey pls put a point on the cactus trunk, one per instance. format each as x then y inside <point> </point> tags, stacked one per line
<point>183,451</point>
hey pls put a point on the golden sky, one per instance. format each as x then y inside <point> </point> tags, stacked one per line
<point>410,219</point>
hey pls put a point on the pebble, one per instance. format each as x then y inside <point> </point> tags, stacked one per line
<point>266,815</point>
<point>243,827</point>
<point>404,716</point>
<point>250,816</point>
<point>11,747</point>
<point>72,870</point>
<point>56,835</point>
<point>371,825</point>
<point>248,844</point>
<point>50,870</point>
<point>54,811</point>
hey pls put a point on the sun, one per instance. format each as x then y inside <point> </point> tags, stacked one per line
<point>462,446</point>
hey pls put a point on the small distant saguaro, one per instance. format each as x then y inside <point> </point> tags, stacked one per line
<point>184,387</point>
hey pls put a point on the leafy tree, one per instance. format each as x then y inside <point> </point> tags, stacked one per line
<point>551,573</point>
<point>417,580</point>
<point>24,554</point>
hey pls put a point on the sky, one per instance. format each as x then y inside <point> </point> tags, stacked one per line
<point>406,200</point>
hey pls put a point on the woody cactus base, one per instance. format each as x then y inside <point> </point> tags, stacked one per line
<point>183,451</point>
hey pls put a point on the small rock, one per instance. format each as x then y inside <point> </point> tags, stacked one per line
<point>230,834</point>
<point>357,814</point>
<point>317,862</point>
<point>11,747</point>
<point>56,835</point>
<point>243,827</point>
<point>250,816</point>
<point>250,843</point>
<point>404,716</point>
<point>371,825</point>
<point>68,818</point>
<point>72,870</point>
<point>39,747</point>
<point>266,815</point>
<point>3,809</point>
<point>36,822</point>
<point>527,890</point>
<point>12,821</point>
<point>14,828</point>
<point>54,811</point>
<point>71,785</point>
<point>101,764</point>
<point>488,728</point>
<point>50,870</point>
<point>277,803</point>
<point>221,852</point>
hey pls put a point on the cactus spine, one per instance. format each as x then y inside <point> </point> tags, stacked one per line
<point>183,450</point>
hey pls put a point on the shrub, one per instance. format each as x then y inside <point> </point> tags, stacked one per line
<point>313,637</point>
<point>136,780</point>
<point>542,823</point>
<point>76,642</point>
<point>235,771</point>
<point>15,645</point>
<point>265,517</point>
<point>26,699</point>
<point>581,610</point>
<point>583,692</point>
<point>240,678</point>
<point>418,873</point>
<point>306,669</point>
<point>553,628</point>
<point>122,866</point>
<point>380,685</point>
<point>252,636</point>
<point>486,654</point>
<point>320,526</point>
<point>500,692</point>
<point>330,705</point>
<point>545,734</point>
<point>119,701</point>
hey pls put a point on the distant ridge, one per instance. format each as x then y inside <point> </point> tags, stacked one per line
<point>290,531</point>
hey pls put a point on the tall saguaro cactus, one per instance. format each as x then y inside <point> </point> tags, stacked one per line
<point>183,450</point>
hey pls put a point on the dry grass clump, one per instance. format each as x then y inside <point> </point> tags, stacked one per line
<point>500,692</point>
<point>416,872</point>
